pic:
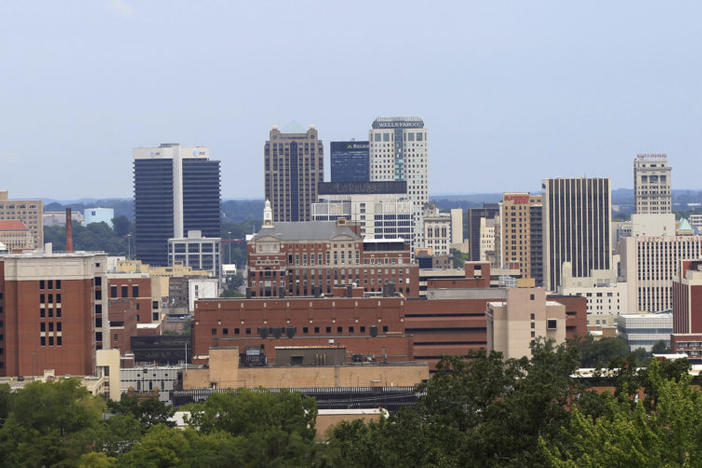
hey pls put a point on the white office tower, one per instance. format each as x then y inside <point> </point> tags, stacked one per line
<point>398,151</point>
<point>652,193</point>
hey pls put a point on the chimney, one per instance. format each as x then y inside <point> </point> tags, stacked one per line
<point>69,231</point>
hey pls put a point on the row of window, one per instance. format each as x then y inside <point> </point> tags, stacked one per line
<point>305,330</point>
<point>124,291</point>
<point>43,340</point>
<point>49,284</point>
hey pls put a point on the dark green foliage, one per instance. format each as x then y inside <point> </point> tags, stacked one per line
<point>93,237</point>
<point>148,411</point>
<point>459,258</point>
<point>660,348</point>
<point>600,353</point>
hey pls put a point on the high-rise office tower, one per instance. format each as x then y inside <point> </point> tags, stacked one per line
<point>577,225</point>
<point>519,235</point>
<point>652,184</point>
<point>349,161</point>
<point>294,165</point>
<point>398,151</point>
<point>176,190</point>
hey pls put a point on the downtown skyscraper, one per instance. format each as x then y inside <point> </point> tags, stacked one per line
<point>176,190</point>
<point>293,166</point>
<point>577,227</point>
<point>398,151</point>
<point>652,192</point>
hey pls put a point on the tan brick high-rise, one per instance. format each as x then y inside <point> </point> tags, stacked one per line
<point>294,165</point>
<point>520,226</point>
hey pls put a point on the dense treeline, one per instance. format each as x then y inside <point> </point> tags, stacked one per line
<point>484,411</point>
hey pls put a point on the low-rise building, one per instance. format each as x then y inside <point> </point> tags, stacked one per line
<point>525,315</point>
<point>164,379</point>
<point>645,330</point>
<point>197,252</point>
<point>311,258</point>
<point>437,231</point>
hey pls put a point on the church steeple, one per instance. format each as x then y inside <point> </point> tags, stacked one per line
<point>268,215</point>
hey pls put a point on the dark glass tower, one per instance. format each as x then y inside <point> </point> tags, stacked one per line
<point>350,161</point>
<point>175,190</point>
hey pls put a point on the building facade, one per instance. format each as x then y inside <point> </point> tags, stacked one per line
<point>520,226</point>
<point>645,330</point>
<point>649,265</point>
<point>488,211</point>
<point>98,215</point>
<point>16,236</point>
<point>606,296</point>
<point>176,190</point>
<point>437,231</point>
<point>27,211</point>
<point>652,193</point>
<point>349,161</point>
<point>293,166</point>
<point>525,315</point>
<point>382,209</point>
<point>687,311</point>
<point>304,259</point>
<point>398,151</point>
<point>196,252</point>
<point>577,227</point>
<point>54,310</point>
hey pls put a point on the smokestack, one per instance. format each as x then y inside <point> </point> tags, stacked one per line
<point>69,231</point>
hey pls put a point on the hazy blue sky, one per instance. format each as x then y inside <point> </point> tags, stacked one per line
<point>511,92</point>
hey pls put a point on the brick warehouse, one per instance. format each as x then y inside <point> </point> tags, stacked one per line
<point>48,309</point>
<point>305,259</point>
<point>448,322</point>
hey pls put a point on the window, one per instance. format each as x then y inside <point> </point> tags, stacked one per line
<point>248,331</point>
<point>316,329</point>
<point>42,313</point>
<point>339,329</point>
<point>225,331</point>
<point>552,324</point>
<point>363,329</point>
<point>113,291</point>
<point>58,284</point>
<point>531,297</point>
<point>42,298</point>
<point>59,341</point>
<point>50,284</point>
<point>350,329</point>
<point>41,284</point>
<point>385,328</point>
<point>43,341</point>
<point>125,291</point>
<point>305,330</point>
<point>58,298</point>
<point>42,326</point>
<point>135,291</point>
<point>214,331</point>
<point>328,329</point>
<point>51,341</point>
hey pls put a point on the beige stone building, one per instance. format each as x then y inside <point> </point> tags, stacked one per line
<point>224,372</point>
<point>16,236</point>
<point>652,192</point>
<point>293,166</point>
<point>27,211</point>
<point>517,223</point>
<point>524,316</point>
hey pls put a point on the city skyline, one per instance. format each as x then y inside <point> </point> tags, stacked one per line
<point>524,93</point>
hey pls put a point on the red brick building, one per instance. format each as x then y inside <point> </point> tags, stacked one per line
<point>50,312</point>
<point>450,321</point>
<point>310,258</point>
<point>130,303</point>
<point>687,310</point>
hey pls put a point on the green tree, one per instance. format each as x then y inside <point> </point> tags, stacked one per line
<point>661,347</point>
<point>276,426</point>
<point>148,411</point>
<point>50,423</point>
<point>666,433</point>
<point>121,225</point>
